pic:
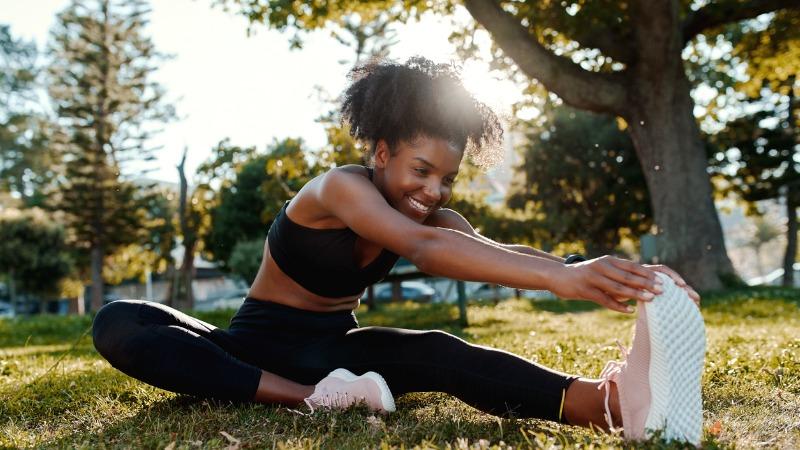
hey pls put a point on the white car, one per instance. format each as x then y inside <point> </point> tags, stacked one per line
<point>409,290</point>
<point>488,291</point>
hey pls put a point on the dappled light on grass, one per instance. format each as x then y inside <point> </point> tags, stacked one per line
<point>750,387</point>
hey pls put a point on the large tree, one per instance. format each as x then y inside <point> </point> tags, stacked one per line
<point>107,103</point>
<point>619,58</point>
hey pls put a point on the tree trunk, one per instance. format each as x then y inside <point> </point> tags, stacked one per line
<point>185,295</point>
<point>791,235</point>
<point>674,162</point>
<point>97,277</point>
<point>187,275</point>
<point>370,301</point>
<point>172,275</point>
<point>791,201</point>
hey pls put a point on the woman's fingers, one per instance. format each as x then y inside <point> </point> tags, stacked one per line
<point>609,302</point>
<point>630,266</point>
<point>678,280</point>
<point>641,284</point>
<point>671,273</point>
<point>618,290</point>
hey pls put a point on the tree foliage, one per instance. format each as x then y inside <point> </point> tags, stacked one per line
<point>582,176</point>
<point>619,58</point>
<point>33,251</point>
<point>757,154</point>
<point>244,190</point>
<point>149,247</point>
<point>101,85</point>
<point>756,148</point>
<point>238,214</point>
<point>27,163</point>
<point>245,259</point>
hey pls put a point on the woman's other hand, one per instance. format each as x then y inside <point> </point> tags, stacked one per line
<point>608,281</point>
<point>677,279</point>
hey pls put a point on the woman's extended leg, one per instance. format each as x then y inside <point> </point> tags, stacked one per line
<point>492,380</point>
<point>171,350</point>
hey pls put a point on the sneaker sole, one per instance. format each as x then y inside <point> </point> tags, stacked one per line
<point>677,345</point>
<point>387,400</point>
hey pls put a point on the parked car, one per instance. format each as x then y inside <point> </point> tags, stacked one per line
<point>6,310</point>
<point>409,290</point>
<point>489,291</point>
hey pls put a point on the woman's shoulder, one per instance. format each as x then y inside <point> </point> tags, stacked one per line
<point>347,176</point>
<point>355,169</point>
<point>311,207</point>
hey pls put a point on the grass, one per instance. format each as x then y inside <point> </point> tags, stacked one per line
<point>55,390</point>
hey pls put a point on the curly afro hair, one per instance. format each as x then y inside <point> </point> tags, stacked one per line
<point>397,102</point>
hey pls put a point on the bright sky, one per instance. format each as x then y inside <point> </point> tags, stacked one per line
<point>250,89</point>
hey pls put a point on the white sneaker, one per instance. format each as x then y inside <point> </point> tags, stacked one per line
<point>342,389</point>
<point>659,380</point>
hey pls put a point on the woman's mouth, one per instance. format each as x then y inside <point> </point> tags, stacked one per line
<point>418,206</point>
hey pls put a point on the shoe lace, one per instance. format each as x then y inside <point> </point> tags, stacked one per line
<point>611,372</point>
<point>337,400</point>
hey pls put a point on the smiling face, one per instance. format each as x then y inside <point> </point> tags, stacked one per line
<point>417,177</point>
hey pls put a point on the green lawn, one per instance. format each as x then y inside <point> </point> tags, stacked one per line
<point>55,391</point>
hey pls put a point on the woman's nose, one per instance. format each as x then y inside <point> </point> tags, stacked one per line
<point>433,192</point>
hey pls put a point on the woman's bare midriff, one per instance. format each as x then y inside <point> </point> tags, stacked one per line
<point>273,285</point>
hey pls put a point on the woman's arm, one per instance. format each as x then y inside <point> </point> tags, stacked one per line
<point>525,250</point>
<point>448,218</point>
<point>455,254</point>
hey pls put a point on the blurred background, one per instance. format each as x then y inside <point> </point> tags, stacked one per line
<point>146,146</point>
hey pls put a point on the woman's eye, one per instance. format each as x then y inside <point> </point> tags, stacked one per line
<point>450,180</point>
<point>421,171</point>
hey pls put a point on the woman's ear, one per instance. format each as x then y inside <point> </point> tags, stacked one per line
<point>382,154</point>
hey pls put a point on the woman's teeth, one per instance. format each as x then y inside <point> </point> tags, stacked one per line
<point>417,205</point>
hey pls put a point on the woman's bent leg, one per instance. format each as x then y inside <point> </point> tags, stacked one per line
<point>492,380</point>
<point>171,350</point>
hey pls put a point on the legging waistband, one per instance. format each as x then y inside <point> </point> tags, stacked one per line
<point>258,314</point>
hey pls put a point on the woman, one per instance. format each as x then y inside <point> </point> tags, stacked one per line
<point>296,338</point>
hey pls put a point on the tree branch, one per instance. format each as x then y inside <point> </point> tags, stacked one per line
<point>599,92</point>
<point>716,14</point>
<point>607,43</point>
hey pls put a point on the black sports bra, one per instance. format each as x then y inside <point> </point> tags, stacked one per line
<point>322,260</point>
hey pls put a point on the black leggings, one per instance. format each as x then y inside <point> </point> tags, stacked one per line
<point>171,350</point>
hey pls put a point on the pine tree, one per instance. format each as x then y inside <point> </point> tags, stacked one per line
<point>102,90</point>
<point>26,163</point>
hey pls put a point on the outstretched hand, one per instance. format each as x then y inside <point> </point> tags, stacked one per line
<point>677,279</point>
<point>610,281</point>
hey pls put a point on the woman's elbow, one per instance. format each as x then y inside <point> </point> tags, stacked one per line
<point>424,247</point>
